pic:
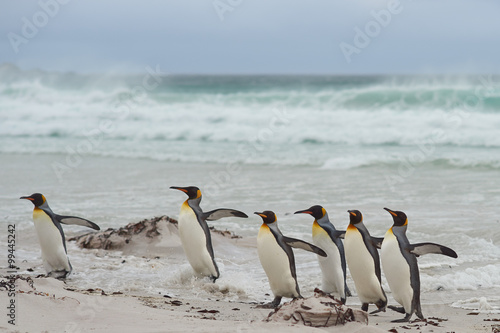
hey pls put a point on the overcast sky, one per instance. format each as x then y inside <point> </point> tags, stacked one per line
<point>253,36</point>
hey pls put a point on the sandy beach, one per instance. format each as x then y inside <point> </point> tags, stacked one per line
<point>51,306</point>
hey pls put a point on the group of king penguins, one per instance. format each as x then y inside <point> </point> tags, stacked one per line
<point>336,250</point>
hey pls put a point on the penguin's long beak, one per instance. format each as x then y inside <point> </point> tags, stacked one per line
<point>303,212</point>
<point>27,198</point>
<point>391,212</point>
<point>178,188</point>
<point>260,214</point>
<point>351,213</point>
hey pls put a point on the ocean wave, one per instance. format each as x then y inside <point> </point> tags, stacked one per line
<point>476,93</point>
<point>469,279</point>
<point>295,119</point>
<point>397,162</point>
<point>479,304</point>
<point>198,122</point>
<point>350,162</point>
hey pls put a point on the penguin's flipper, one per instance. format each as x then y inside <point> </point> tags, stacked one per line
<point>222,212</point>
<point>377,242</point>
<point>73,220</point>
<point>334,233</point>
<point>426,248</point>
<point>340,234</point>
<point>300,244</point>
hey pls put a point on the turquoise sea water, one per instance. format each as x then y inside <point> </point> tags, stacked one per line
<point>107,147</point>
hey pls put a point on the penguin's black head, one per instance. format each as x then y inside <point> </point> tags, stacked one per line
<point>36,198</point>
<point>192,191</point>
<point>398,217</point>
<point>355,216</point>
<point>267,216</point>
<point>316,211</point>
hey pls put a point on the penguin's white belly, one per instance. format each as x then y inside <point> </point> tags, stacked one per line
<point>331,266</point>
<point>53,254</point>
<point>194,243</point>
<point>362,268</point>
<point>397,271</point>
<point>276,264</point>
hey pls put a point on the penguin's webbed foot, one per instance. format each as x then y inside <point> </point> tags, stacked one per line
<point>377,311</point>
<point>266,306</point>
<point>403,320</point>
<point>271,305</point>
<point>60,275</point>
<point>399,309</point>
<point>276,301</point>
<point>364,307</point>
<point>381,305</point>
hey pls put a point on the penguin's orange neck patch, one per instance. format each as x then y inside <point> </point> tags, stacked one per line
<point>316,229</point>
<point>185,205</point>
<point>37,212</point>
<point>265,227</point>
<point>351,227</point>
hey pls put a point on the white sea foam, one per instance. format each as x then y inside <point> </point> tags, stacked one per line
<point>489,304</point>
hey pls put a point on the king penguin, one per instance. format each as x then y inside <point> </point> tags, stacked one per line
<point>333,267</point>
<point>399,261</point>
<point>364,263</point>
<point>51,236</point>
<point>277,259</point>
<point>195,234</point>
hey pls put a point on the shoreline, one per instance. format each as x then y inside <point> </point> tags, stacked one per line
<point>99,310</point>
